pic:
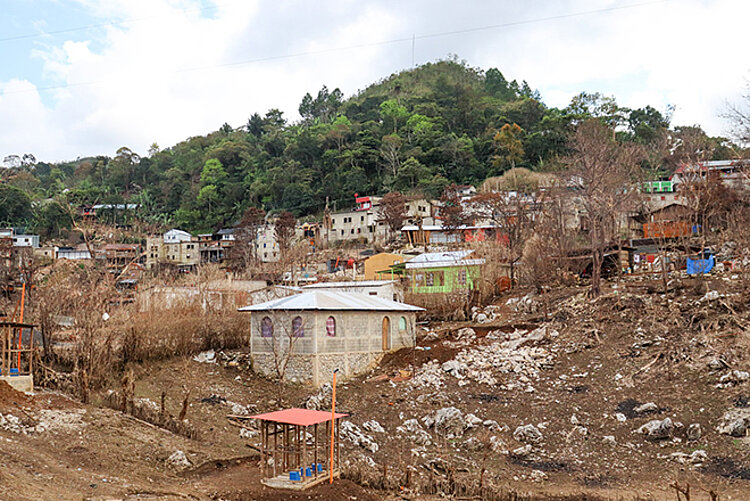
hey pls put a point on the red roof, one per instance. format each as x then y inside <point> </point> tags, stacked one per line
<point>299,417</point>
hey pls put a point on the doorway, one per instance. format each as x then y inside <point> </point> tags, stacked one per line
<point>386,333</point>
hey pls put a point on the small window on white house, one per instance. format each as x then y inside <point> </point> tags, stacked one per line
<point>402,324</point>
<point>331,327</point>
<point>373,293</point>
<point>298,330</point>
<point>266,327</point>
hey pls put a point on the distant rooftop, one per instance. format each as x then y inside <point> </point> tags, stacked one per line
<point>351,283</point>
<point>452,258</point>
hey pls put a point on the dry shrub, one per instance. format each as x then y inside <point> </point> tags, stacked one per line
<point>451,306</point>
<point>145,412</point>
<point>160,333</point>
<point>448,483</point>
<point>105,335</point>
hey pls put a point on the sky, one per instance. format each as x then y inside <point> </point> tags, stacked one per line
<point>86,77</point>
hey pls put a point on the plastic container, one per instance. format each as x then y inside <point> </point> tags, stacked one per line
<point>294,476</point>
<point>319,467</point>
<point>308,472</point>
<point>14,372</point>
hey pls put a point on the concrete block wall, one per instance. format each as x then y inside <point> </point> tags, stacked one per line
<point>356,347</point>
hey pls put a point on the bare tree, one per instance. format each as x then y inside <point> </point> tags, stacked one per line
<point>279,333</point>
<point>393,211</point>
<point>244,251</point>
<point>284,231</point>
<point>452,210</point>
<point>513,214</point>
<point>604,173</point>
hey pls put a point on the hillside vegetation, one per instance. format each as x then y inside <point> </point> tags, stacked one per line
<point>415,131</point>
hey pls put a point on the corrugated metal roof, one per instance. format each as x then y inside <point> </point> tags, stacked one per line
<point>351,283</point>
<point>439,257</point>
<point>331,300</point>
<point>452,258</point>
<point>299,417</point>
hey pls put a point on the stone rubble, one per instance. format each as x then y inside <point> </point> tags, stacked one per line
<point>352,433</point>
<point>528,434</point>
<point>414,431</point>
<point>657,429</point>
<point>179,460</point>
<point>373,426</point>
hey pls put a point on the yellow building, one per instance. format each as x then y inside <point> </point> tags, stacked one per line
<point>381,263</point>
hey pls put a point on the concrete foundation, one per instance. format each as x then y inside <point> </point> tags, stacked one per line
<point>20,383</point>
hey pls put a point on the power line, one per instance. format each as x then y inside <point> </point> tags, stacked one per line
<point>356,46</point>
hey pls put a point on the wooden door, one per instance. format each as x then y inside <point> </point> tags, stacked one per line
<point>386,333</point>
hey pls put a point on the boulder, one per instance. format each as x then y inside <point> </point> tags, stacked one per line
<point>471,421</point>
<point>646,408</point>
<point>178,460</point>
<point>448,420</point>
<point>657,429</point>
<point>528,434</point>
<point>735,428</point>
<point>414,431</point>
<point>694,432</point>
<point>373,426</point>
<point>473,444</point>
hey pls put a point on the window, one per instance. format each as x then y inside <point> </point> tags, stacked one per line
<point>351,231</point>
<point>361,218</point>
<point>331,327</point>
<point>373,293</point>
<point>266,327</point>
<point>429,279</point>
<point>402,324</point>
<point>298,330</point>
<point>462,277</point>
<point>342,232</point>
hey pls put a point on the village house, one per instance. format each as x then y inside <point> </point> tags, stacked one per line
<point>304,337</point>
<point>377,266</point>
<point>175,248</point>
<point>442,272</point>
<point>363,222</point>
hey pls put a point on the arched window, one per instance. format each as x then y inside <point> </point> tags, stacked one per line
<point>331,326</point>
<point>298,330</point>
<point>402,324</point>
<point>266,327</point>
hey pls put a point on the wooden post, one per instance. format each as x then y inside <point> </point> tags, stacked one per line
<point>275,447</point>
<point>315,449</point>
<point>304,444</point>
<point>333,417</point>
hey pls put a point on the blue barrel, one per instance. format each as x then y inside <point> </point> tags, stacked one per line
<point>294,476</point>
<point>14,372</point>
<point>319,467</point>
<point>308,472</point>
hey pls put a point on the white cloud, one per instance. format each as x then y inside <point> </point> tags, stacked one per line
<point>165,77</point>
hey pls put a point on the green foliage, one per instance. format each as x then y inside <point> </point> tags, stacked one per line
<point>15,206</point>
<point>419,130</point>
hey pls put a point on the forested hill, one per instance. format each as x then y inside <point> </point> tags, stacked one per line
<point>416,131</point>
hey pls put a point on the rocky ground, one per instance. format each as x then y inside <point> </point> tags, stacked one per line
<point>552,397</point>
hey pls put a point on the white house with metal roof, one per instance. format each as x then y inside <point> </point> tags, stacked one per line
<point>305,337</point>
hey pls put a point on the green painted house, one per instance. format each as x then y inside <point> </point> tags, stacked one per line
<point>443,272</point>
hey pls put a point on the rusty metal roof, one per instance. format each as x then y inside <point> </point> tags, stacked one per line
<point>299,417</point>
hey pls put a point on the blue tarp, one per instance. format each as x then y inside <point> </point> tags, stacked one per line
<point>696,266</point>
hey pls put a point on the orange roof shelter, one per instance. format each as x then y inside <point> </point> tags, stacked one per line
<point>290,442</point>
<point>17,355</point>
